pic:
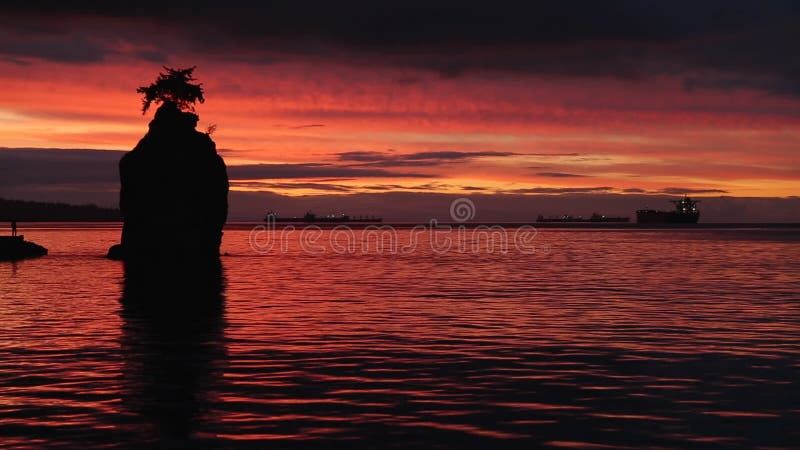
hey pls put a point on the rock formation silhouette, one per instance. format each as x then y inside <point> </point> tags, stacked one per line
<point>174,193</point>
<point>14,248</point>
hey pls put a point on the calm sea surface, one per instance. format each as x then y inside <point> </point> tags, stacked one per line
<point>596,339</point>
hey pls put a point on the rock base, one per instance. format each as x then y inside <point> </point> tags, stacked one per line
<point>15,248</point>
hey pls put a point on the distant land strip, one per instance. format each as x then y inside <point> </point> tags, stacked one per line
<point>29,211</point>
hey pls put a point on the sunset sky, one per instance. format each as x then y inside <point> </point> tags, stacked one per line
<point>337,98</point>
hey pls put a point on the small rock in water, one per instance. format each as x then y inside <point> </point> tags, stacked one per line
<point>14,248</point>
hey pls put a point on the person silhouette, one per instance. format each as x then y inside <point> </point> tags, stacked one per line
<point>13,228</point>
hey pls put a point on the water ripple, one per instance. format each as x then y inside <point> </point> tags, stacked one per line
<point>669,339</point>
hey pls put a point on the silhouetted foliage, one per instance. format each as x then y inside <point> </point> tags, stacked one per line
<point>173,86</point>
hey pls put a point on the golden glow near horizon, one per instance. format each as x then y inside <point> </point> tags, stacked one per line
<point>454,135</point>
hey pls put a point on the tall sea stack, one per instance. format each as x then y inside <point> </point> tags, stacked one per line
<point>174,193</point>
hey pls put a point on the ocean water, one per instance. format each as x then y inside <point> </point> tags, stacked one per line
<point>587,339</point>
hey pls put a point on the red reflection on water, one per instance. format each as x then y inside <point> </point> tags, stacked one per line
<point>572,348</point>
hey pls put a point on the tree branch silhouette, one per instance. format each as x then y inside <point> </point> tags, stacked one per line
<point>173,86</point>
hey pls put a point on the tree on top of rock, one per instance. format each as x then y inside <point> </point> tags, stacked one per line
<point>174,86</point>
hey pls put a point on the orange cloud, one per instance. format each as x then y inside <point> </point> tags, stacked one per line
<point>649,134</point>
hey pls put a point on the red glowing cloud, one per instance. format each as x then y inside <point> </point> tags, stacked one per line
<point>517,117</point>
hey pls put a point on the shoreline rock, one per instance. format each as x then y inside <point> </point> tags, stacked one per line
<point>15,248</point>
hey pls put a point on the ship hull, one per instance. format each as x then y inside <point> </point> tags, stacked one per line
<point>322,220</point>
<point>576,220</point>
<point>651,216</point>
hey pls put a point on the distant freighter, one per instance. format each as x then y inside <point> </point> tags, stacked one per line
<point>310,217</point>
<point>685,212</point>
<point>594,218</point>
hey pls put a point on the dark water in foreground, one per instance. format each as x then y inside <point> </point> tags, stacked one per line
<point>665,338</point>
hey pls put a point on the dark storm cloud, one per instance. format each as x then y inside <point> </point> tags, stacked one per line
<point>98,169</point>
<point>364,156</point>
<point>47,38</point>
<point>681,191</point>
<point>453,155</point>
<point>310,125</point>
<point>559,175</point>
<point>54,47</point>
<point>90,176</point>
<point>269,186</point>
<point>391,159</point>
<point>21,166</point>
<point>310,170</point>
<point>383,187</point>
<point>562,190</point>
<point>712,44</point>
<point>473,188</point>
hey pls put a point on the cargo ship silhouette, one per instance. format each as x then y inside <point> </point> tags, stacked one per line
<point>310,217</point>
<point>571,219</point>
<point>685,212</point>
